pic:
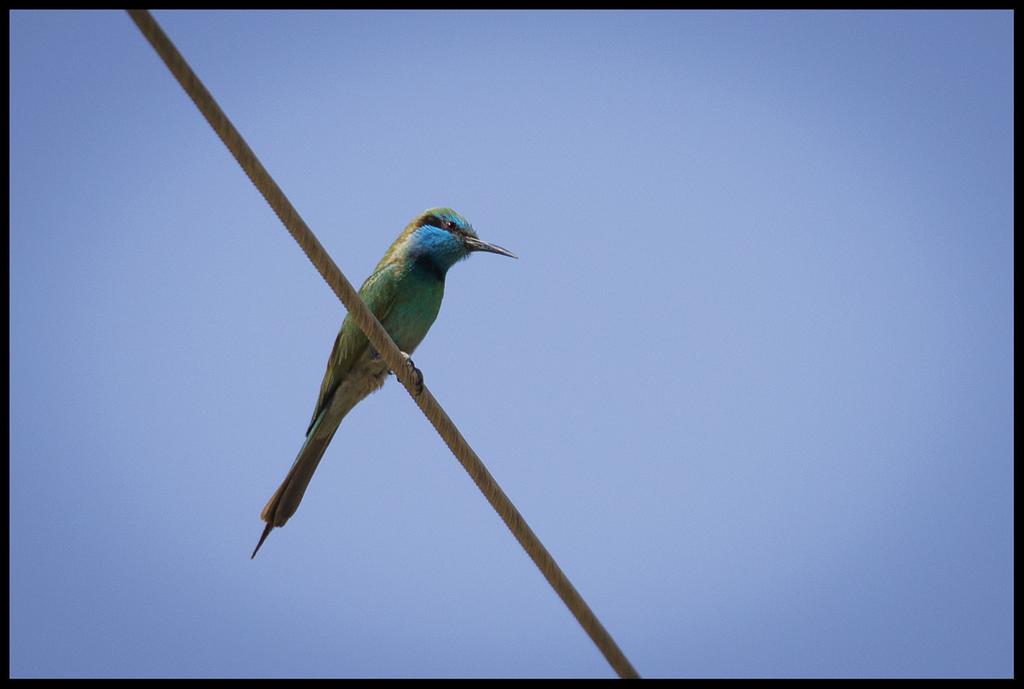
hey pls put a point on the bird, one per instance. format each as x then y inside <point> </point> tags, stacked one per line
<point>404,292</point>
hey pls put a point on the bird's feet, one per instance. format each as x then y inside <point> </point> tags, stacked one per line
<point>417,375</point>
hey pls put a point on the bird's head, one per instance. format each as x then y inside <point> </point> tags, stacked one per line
<point>440,237</point>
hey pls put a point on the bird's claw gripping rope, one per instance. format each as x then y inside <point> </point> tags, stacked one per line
<point>417,375</point>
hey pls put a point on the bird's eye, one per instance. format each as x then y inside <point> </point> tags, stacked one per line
<point>449,225</point>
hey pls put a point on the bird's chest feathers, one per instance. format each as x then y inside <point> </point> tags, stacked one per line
<point>417,303</point>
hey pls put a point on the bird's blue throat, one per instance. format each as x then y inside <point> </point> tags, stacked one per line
<point>433,250</point>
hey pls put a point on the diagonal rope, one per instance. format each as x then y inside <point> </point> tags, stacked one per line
<point>380,340</point>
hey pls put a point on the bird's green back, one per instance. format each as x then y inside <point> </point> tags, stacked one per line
<point>378,292</point>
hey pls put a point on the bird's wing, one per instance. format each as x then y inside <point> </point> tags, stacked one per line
<point>378,292</point>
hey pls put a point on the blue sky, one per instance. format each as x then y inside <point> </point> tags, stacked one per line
<point>750,380</point>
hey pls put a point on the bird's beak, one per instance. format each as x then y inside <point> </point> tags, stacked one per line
<point>474,244</point>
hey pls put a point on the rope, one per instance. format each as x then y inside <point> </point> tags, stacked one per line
<point>380,340</point>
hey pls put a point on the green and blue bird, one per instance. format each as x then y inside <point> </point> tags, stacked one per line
<point>404,293</point>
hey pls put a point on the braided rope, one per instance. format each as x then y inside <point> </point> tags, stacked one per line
<point>380,340</point>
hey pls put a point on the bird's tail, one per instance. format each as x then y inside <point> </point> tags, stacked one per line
<point>286,498</point>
